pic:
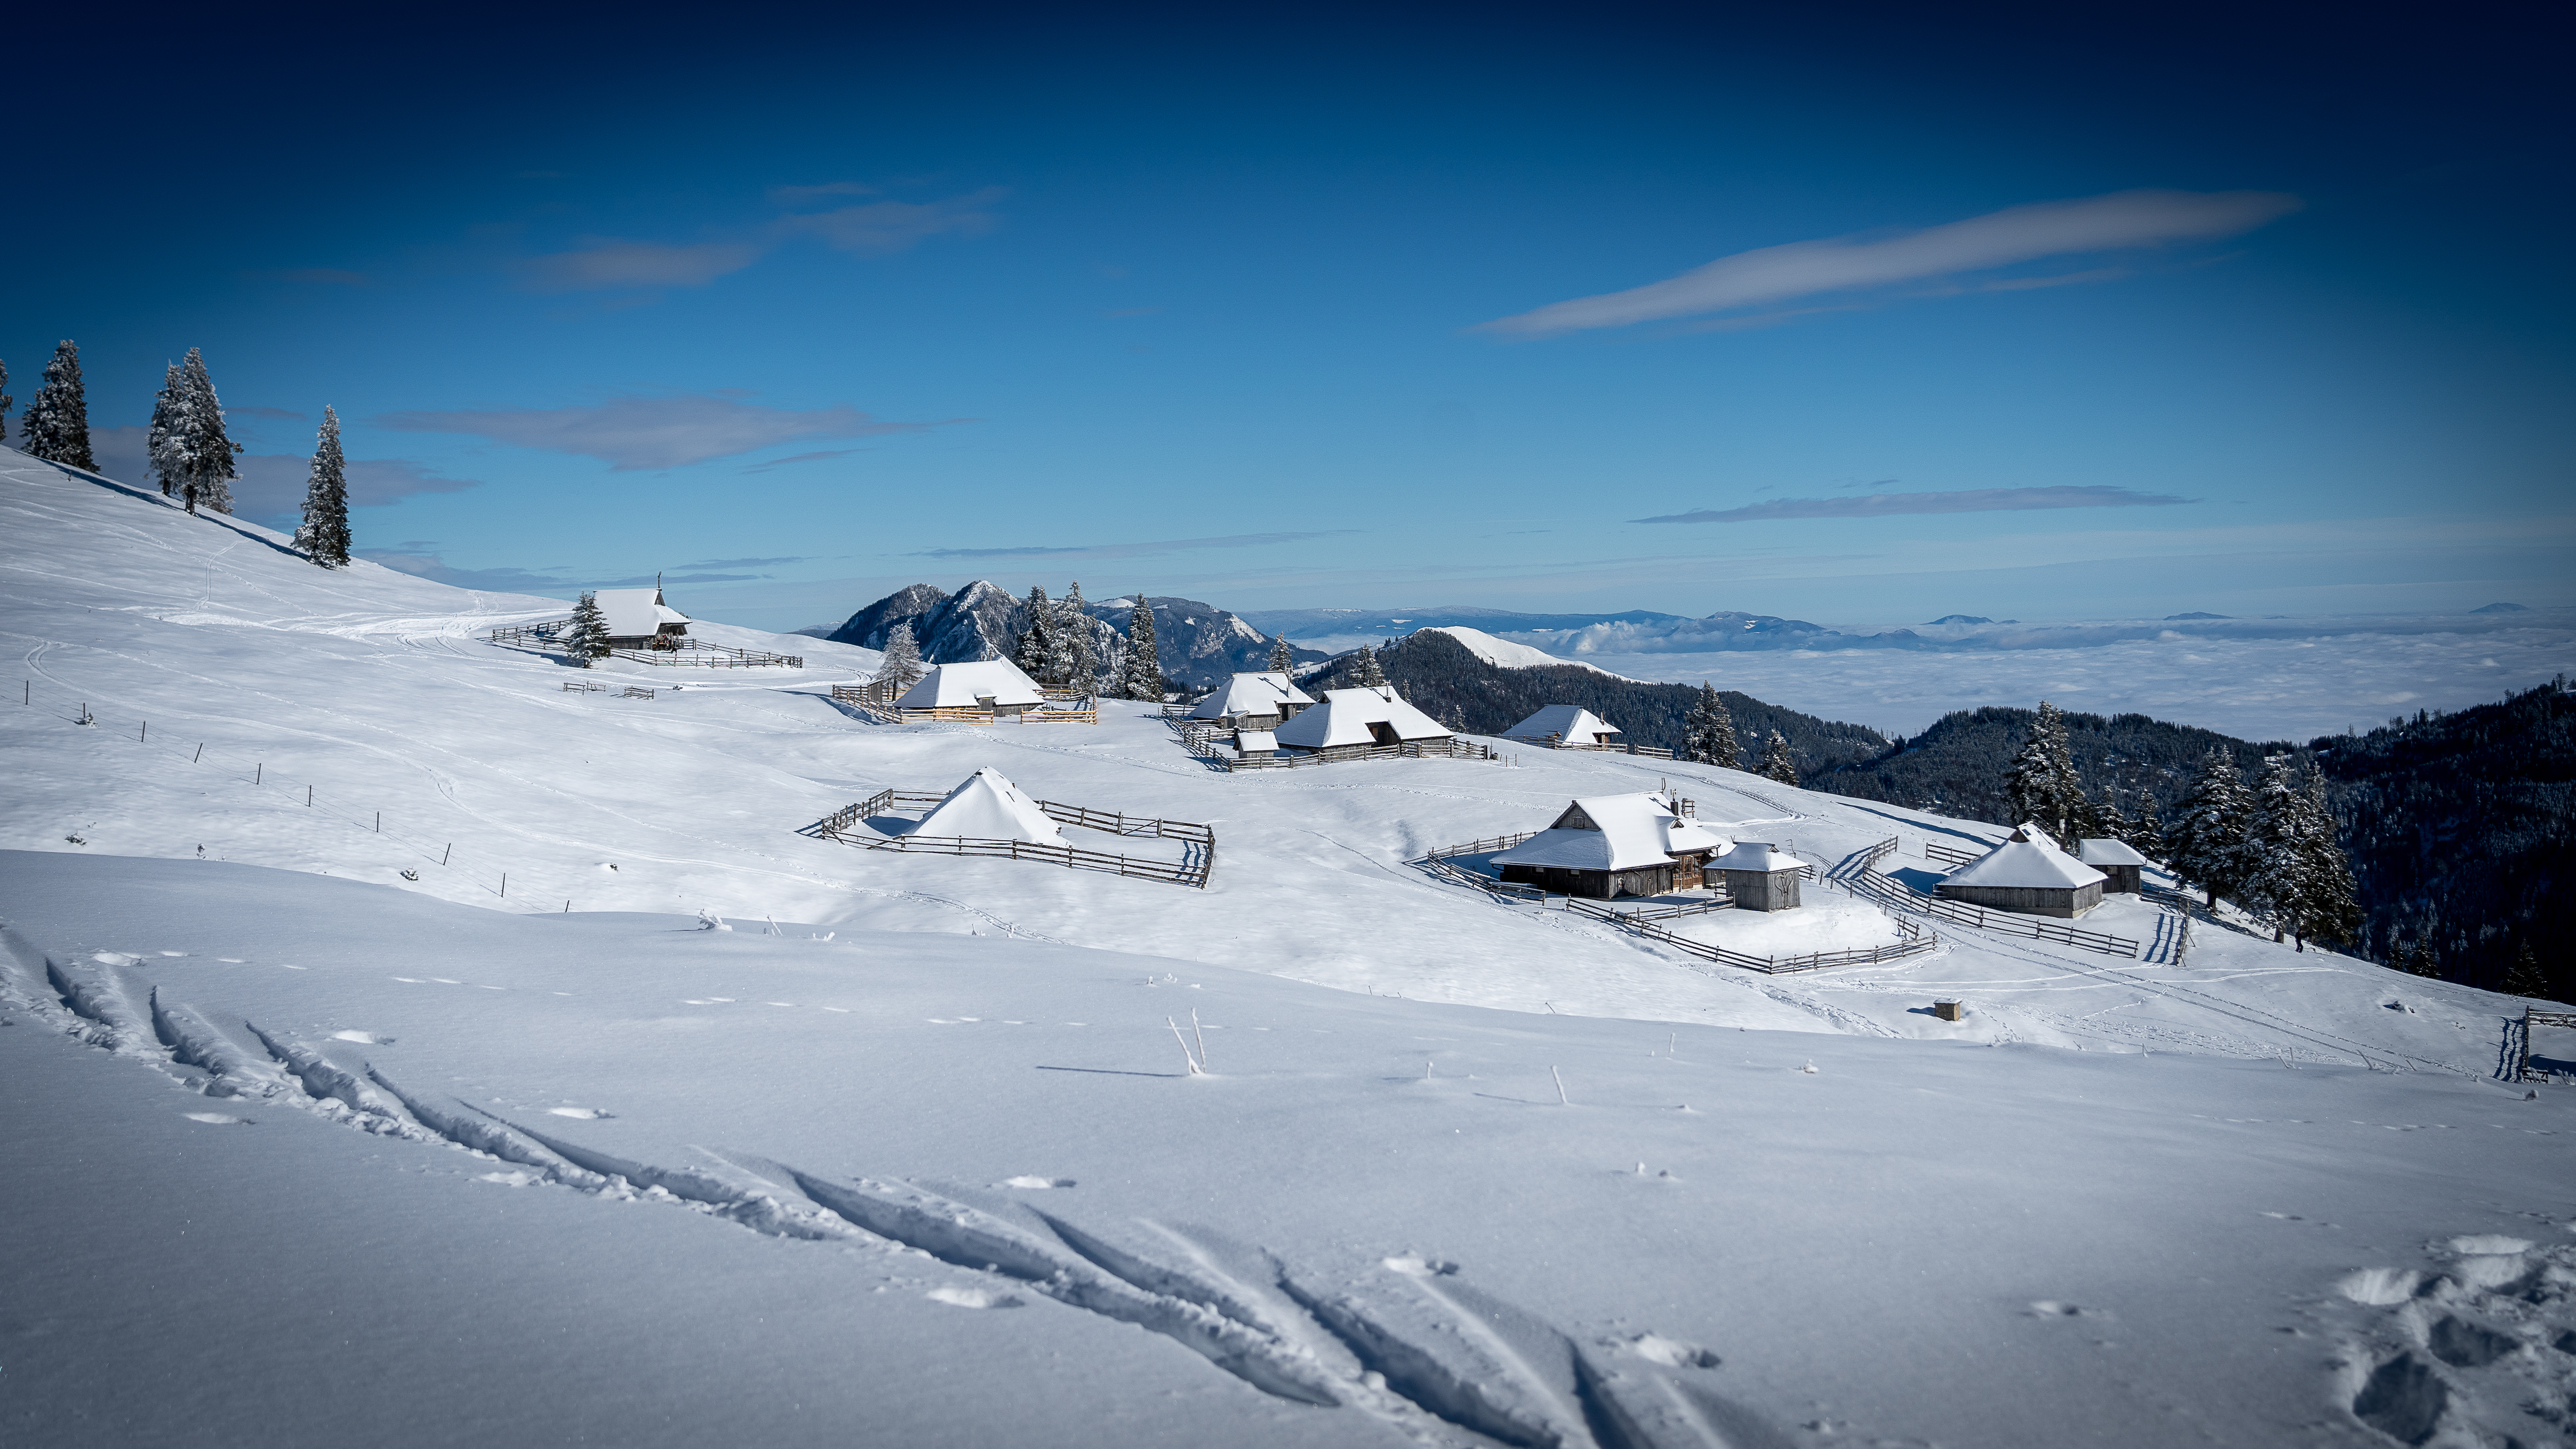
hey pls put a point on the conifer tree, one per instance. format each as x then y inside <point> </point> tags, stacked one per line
<point>1077,664</point>
<point>1371,673</point>
<point>1035,652</point>
<point>324,535</point>
<point>902,666</point>
<point>2205,842</point>
<point>1708,731</point>
<point>2105,820</point>
<point>1776,762</point>
<point>170,433</point>
<point>6,402</point>
<point>2041,784</point>
<point>2274,881</point>
<point>190,451</point>
<point>2524,977</point>
<point>215,449</point>
<point>1143,678</point>
<point>587,638</point>
<point>2329,906</point>
<point>1281,661</point>
<point>55,426</point>
<point>2146,829</point>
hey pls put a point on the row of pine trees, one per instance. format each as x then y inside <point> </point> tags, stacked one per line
<point>192,455</point>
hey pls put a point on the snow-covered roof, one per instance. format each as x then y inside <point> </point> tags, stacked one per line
<point>2108,852</point>
<point>1346,714</point>
<point>989,807</point>
<point>1572,724</point>
<point>968,686</point>
<point>632,613</point>
<point>2028,860</point>
<point>1614,832</point>
<point>1251,694</point>
<point>1256,742</point>
<point>1755,855</point>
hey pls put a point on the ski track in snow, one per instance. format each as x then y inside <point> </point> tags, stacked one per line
<point>1445,1376</point>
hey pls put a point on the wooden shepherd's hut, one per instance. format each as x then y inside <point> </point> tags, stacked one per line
<point>1606,846</point>
<point>2028,875</point>
<point>2116,859</point>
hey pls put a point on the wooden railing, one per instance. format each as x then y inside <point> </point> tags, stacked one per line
<point>1198,855</point>
<point>1914,941</point>
<point>585,686</point>
<point>868,700</point>
<point>1554,741</point>
<point>535,633</point>
<point>710,656</point>
<point>1940,854</point>
<point>2531,1017</point>
<point>1199,738</point>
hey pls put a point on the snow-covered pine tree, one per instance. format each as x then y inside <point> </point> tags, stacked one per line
<point>1708,731</point>
<point>2275,879</point>
<point>1776,761</point>
<point>324,534</point>
<point>902,666</point>
<point>2524,977</point>
<point>1281,661</point>
<point>171,433</point>
<point>1035,650</point>
<point>1371,672</point>
<point>2329,901</point>
<point>7,402</point>
<point>2041,785</point>
<point>55,425</point>
<point>1143,678</point>
<point>2205,842</point>
<point>587,638</point>
<point>1079,662</point>
<point>214,449</point>
<point>2146,829</point>
<point>2105,820</point>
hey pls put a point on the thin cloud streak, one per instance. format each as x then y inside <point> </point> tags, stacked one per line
<point>631,433</point>
<point>1771,275</point>
<point>606,262</point>
<point>1134,550</point>
<point>1965,500</point>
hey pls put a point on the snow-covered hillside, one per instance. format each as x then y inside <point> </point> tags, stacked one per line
<point>2124,1200</point>
<point>1508,655</point>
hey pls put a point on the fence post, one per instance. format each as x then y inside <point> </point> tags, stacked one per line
<point>201,754</point>
<point>505,885</point>
<point>444,854</point>
<point>258,772</point>
<point>308,797</point>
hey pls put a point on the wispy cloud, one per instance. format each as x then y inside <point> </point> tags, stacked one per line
<point>1965,500</point>
<point>795,196</point>
<point>602,262</point>
<point>763,467</point>
<point>1134,550</point>
<point>880,227</point>
<point>630,433</point>
<point>272,485</point>
<point>316,276</point>
<point>1771,275</point>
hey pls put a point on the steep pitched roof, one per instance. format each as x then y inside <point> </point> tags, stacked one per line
<point>632,613</point>
<point>1756,855</point>
<point>1346,714</point>
<point>1572,724</point>
<point>1243,694</point>
<point>2108,852</point>
<point>2028,860</point>
<point>966,686</point>
<point>1614,832</point>
<point>986,806</point>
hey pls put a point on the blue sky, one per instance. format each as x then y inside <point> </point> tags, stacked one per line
<point>1865,322</point>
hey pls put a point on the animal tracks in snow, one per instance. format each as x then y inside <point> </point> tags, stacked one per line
<point>2480,1348</point>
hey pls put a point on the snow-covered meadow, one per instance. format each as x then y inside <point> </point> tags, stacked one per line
<point>353,1131</point>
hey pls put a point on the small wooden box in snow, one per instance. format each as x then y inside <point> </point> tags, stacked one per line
<point>1948,1010</point>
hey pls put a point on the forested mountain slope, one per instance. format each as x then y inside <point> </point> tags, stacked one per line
<point>1957,766</point>
<point>1443,677</point>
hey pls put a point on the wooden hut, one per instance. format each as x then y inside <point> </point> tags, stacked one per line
<point>1566,727</point>
<point>2115,859</point>
<point>1255,745</point>
<point>1605,846</point>
<point>638,619</point>
<point>1257,701</point>
<point>986,806</point>
<point>2028,875</point>
<point>1355,720</point>
<point>994,686</point>
<point>1758,877</point>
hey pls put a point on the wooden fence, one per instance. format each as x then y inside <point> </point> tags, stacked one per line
<point>1940,854</point>
<point>868,700</point>
<point>1554,741</point>
<point>585,686</point>
<point>2531,1017</point>
<point>1199,738</point>
<point>1198,854</point>
<point>1914,942</point>
<point>536,633</point>
<point>1857,876</point>
<point>710,656</point>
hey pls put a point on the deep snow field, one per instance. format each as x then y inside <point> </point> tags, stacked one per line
<point>299,1150</point>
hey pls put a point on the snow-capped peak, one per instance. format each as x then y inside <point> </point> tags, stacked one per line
<point>1508,655</point>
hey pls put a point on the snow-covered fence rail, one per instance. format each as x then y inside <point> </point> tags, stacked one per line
<point>1940,854</point>
<point>1199,738</point>
<point>711,656</point>
<point>536,633</point>
<point>848,825</point>
<point>1855,875</point>
<point>877,704</point>
<point>2531,1017</point>
<point>1912,940</point>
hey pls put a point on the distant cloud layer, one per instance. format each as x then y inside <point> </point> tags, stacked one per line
<point>1771,275</point>
<point>1965,500</point>
<point>272,485</point>
<point>630,433</point>
<point>1133,550</point>
<point>875,228</point>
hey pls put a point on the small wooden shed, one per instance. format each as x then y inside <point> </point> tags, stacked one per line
<point>638,619</point>
<point>2028,875</point>
<point>1605,846</point>
<point>1253,701</point>
<point>993,686</point>
<point>1358,720</point>
<point>1565,727</point>
<point>1759,877</point>
<point>2116,859</point>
